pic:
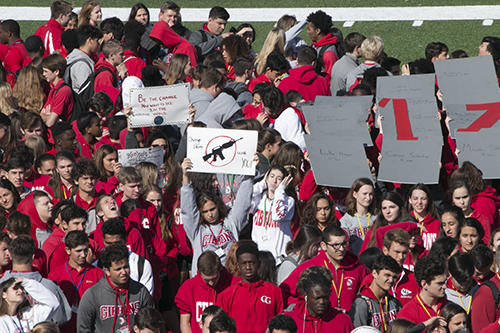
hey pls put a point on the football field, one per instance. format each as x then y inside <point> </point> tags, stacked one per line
<point>404,37</point>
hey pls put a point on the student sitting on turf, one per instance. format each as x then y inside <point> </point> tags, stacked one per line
<point>276,66</point>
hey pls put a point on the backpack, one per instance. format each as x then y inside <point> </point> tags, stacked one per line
<point>494,291</point>
<point>86,90</point>
<point>319,62</point>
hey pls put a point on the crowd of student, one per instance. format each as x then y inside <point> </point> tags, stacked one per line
<point>91,246</point>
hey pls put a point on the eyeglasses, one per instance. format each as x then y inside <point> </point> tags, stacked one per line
<point>337,246</point>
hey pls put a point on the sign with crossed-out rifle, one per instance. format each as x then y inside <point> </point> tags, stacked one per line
<point>222,151</point>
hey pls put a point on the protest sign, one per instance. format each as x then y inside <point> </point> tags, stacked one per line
<point>131,157</point>
<point>412,142</point>
<point>222,151</point>
<point>337,160</point>
<point>158,106</point>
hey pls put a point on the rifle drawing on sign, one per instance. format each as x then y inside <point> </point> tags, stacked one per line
<point>217,151</point>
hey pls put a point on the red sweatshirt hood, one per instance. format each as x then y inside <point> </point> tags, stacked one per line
<point>489,192</point>
<point>226,279</point>
<point>406,226</point>
<point>162,32</point>
<point>350,260</point>
<point>27,206</point>
<point>300,315</point>
<point>103,63</point>
<point>328,39</point>
<point>366,291</point>
<point>134,219</point>
<point>303,74</point>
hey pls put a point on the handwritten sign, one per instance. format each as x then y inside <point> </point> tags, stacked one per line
<point>131,157</point>
<point>337,160</point>
<point>222,151</point>
<point>159,106</point>
<point>411,150</point>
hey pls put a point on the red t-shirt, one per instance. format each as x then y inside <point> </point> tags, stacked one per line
<point>62,102</point>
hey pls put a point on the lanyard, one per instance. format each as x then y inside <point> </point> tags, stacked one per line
<point>265,211</point>
<point>460,298</point>
<point>360,227</point>
<point>74,284</point>
<point>382,313</point>
<point>20,327</point>
<point>422,304</point>
<point>220,232</point>
<point>230,186</point>
<point>335,287</point>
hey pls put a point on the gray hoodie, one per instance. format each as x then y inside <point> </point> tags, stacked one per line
<point>83,67</point>
<point>201,101</point>
<point>244,95</point>
<point>216,237</point>
<point>101,308</point>
<point>63,314</point>
<point>211,44</point>
<point>220,110</point>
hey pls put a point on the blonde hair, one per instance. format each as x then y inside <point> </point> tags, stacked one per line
<point>28,90</point>
<point>87,8</point>
<point>372,48</point>
<point>6,104</point>
<point>45,327</point>
<point>176,67</point>
<point>275,41</point>
<point>149,173</point>
<point>286,22</point>
<point>38,145</point>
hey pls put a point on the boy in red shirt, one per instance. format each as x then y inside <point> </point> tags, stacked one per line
<point>59,105</point>
<point>10,33</point>
<point>134,63</point>
<point>50,32</point>
<point>76,275</point>
<point>276,66</point>
<point>431,277</point>
<point>203,290</point>
<point>110,65</point>
<point>252,302</point>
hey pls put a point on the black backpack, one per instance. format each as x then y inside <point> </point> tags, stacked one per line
<point>86,90</point>
<point>319,62</point>
<point>494,291</point>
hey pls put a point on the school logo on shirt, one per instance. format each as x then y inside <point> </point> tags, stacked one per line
<point>405,292</point>
<point>200,306</point>
<point>349,282</point>
<point>108,311</point>
<point>266,299</point>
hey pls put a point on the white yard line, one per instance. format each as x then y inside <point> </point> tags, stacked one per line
<point>441,13</point>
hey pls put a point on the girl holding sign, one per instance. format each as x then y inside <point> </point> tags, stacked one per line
<point>207,224</point>
<point>359,213</point>
<point>273,207</point>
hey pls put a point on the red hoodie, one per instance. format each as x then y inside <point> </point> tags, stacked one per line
<point>420,251</point>
<point>251,305</point>
<point>417,311</point>
<point>404,289</point>
<point>15,55</point>
<point>62,102</point>
<point>262,78</point>
<point>175,44</point>
<point>105,140</point>
<point>331,321</point>
<point>485,223</point>
<point>50,33</point>
<point>108,186</point>
<point>433,226</point>
<point>38,182</point>
<point>52,243</point>
<point>105,78</point>
<point>133,63</point>
<point>27,206</point>
<point>329,57</point>
<point>487,203</point>
<point>195,295</point>
<point>484,314</point>
<point>349,275</point>
<point>305,80</point>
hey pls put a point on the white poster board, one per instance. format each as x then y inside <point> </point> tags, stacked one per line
<point>159,106</point>
<point>222,150</point>
<point>131,157</point>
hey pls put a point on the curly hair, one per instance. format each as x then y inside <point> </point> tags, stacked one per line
<point>427,268</point>
<point>313,276</point>
<point>309,212</point>
<point>234,46</point>
<point>321,21</point>
<point>472,175</point>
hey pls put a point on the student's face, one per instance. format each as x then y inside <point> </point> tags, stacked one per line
<point>481,274</point>
<point>109,209</point>
<point>461,198</point>
<point>44,208</point>
<point>96,15</point>
<point>314,248</point>
<point>398,252</point>
<point>118,57</point>
<point>323,211</point>
<point>336,247</point>
<point>464,288</point>
<point>131,190</point>
<point>49,75</point>
<point>457,321</point>
<point>443,56</point>
<point>274,179</point>
<point>437,286</point>
<point>469,238</point>
<point>155,199</point>
<point>4,254</point>
<point>384,279</point>
<point>272,75</point>
<point>16,176</point>
<point>390,210</point>
<point>109,162</point>
<point>205,324</point>
<point>450,225</point>
<point>160,143</point>
<point>86,183</point>
<point>364,196</point>
<point>483,49</point>
<point>419,201</point>
<point>495,242</point>
<point>95,128</point>
<point>273,149</point>
<point>4,36</point>
<point>68,140</point>
<point>142,16</point>
<point>216,26</point>
<point>318,298</point>
<point>71,25</point>
<point>226,56</point>
<point>15,294</point>
<point>256,100</point>
<point>65,19</point>
<point>188,69</point>
<point>170,17</point>
<point>248,265</point>
<point>75,224</point>
<point>248,36</point>
<point>313,32</point>
<point>210,212</point>
<point>6,198</point>
<point>78,254</point>
<point>211,280</point>
<point>119,272</point>
<point>113,239</point>
<point>36,130</point>
<point>64,167</point>
<point>93,45</point>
